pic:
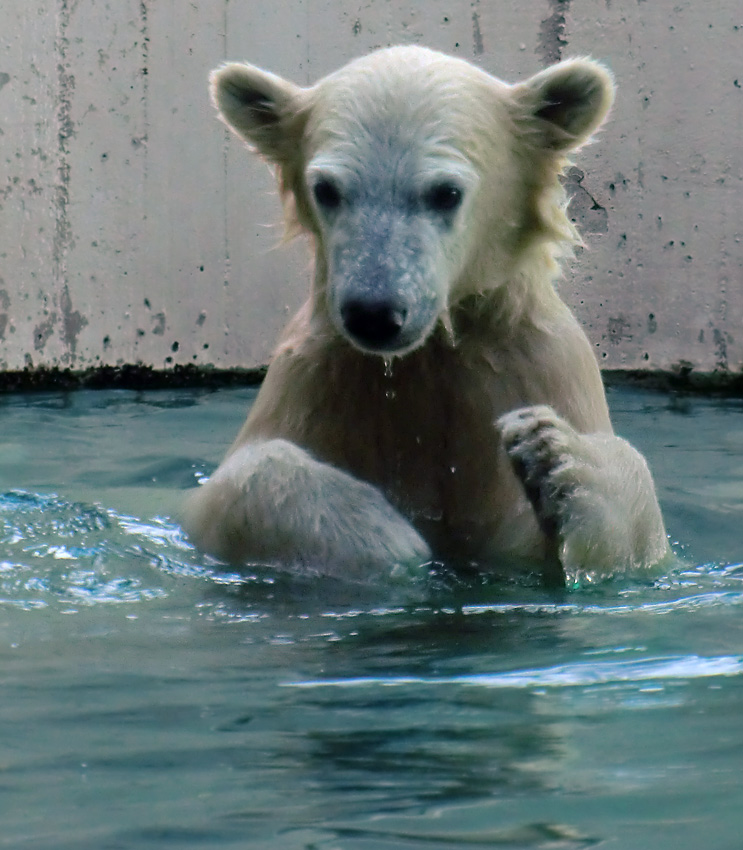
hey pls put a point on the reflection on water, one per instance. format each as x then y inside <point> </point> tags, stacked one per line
<point>152,697</point>
<point>564,675</point>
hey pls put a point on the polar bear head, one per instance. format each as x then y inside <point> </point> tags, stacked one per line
<point>422,178</point>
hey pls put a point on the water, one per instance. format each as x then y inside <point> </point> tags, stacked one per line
<point>152,700</point>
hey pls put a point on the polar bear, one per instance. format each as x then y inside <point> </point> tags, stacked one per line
<point>433,398</point>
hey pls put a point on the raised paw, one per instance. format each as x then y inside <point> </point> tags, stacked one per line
<point>542,448</point>
<point>591,493</point>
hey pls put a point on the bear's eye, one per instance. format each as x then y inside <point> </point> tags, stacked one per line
<point>443,197</point>
<point>326,194</point>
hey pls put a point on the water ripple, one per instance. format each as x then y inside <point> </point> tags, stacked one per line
<point>67,552</point>
<point>59,551</point>
<point>688,602</point>
<point>566,675</point>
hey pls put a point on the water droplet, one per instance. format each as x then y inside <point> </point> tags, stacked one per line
<point>453,469</point>
<point>390,394</point>
<point>387,367</point>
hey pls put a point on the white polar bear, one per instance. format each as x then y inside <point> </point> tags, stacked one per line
<point>434,397</point>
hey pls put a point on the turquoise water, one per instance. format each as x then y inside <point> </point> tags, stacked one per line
<point>150,699</point>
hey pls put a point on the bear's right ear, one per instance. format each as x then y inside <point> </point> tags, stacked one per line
<point>258,106</point>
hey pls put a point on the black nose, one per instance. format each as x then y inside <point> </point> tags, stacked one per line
<point>373,323</point>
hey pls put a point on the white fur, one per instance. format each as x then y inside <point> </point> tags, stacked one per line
<point>434,395</point>
<point>595,488</point>
<point>318,518</point>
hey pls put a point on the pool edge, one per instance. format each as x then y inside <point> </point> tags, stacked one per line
<point>681,379</point>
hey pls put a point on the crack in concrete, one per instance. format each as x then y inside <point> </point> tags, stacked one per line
<point>552,38</point>
<point>43,331</point>
<point>65,131</point>
<point>721,349</point>
<point>72,322</point>
<point>583,208</point>
<point>478,45</point>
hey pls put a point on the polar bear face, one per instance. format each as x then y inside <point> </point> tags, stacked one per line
<point>422,178</point>
<point>391,189</point>
<point>393,224</point>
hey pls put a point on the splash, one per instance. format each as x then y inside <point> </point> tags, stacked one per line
<point>58,553</point>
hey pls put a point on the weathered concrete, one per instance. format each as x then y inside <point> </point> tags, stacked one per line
<point>133,230</point>
<point>664,284</point>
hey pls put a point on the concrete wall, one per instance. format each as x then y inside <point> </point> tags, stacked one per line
<point>133,230</point>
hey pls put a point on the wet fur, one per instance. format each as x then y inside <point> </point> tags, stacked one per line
<point>425,427</point>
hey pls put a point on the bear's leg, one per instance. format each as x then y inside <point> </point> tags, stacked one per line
<point>592,493</point>
<point>272,503</point>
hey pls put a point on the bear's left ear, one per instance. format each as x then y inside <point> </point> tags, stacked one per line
<point>259,106</point>
<point>566,103</point>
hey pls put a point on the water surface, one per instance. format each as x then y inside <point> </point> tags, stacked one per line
<point>153,699</point>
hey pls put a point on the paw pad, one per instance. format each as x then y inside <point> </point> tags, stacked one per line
<point>537,441</point>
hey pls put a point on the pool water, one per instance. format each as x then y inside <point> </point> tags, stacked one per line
<point>152,699</point>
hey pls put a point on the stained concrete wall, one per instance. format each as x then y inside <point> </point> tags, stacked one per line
<point>133,230</point>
